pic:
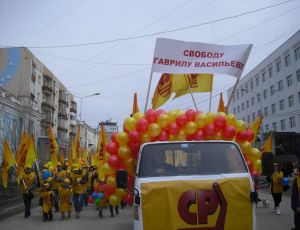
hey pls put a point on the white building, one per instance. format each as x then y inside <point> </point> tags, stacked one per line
<point>88,137</point>
<point>272,88</point>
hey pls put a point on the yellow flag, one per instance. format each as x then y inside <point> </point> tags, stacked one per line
<point>221,107</point>
<point>84,156</point>
<point>179,84</point>
<point>92,158</point>
<point>267,147</point>
<point>135,107</point>
<point>255,126</point>
<point>101,151</point>
<point>73,151</point>
<point>77,142</point>
<point>53,147</point>
<point>31,152</point>
<point>8,162</point>
<point>21,155</point>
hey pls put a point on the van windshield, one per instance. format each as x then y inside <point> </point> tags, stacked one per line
<point>183,159</point>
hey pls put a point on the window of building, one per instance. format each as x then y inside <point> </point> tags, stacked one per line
<point>281,104</point>
<point>270,70</point>
<point>234,111</point>
<point>278,65</point>
<point>242,92</point>
<point>258,97</point>
<point>233,98</point>
<point>253,116</point>
<point>252,85</point>
<point>247,103</point>
<point>263,76</point>
<point>267,127</point>
<point>252,100</point>
<point>291,100</point>
<point>237,95</point>
<point>265,94</point>
<point>283,124</point>
<point>297,53</point>
<point>243,106</point>
<point>298,74</point>
<point>272,89</point>
<point>266,111</point>
<point>289,80</point>
<point>259,113</point>
<point>273,107</point>
<point>244,119</point>
<point>238,109</point>
<point>287,60</point>
<point>292,122</point>
<point>257,79</point>
<point>248,119</point>
<point>280,85</point>
<point>274,126</point>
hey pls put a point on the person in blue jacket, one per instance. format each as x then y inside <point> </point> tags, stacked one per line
<point>295,200</point>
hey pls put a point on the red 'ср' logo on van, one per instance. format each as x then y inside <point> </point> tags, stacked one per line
<point>207,202</point>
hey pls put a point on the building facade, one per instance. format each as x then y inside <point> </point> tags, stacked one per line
<point>28,79</point>
<point>272,89</point>
<point>110,128</point>
<point>88,137</point>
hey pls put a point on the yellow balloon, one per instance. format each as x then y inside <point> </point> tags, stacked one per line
<point>122,138</point>
<point>138,115</point>
<point>210,116</point>
<point>154,129</point>
<point>246,147</point>
<point>172,138</point>
<point>201,120</point>
<point>130,123</point>
<point>190,127</point>
<point>145,137</point>
<point>181,136</point>
<point>257,165</point>
<point>163,120</point>
<point>124,152</point>
<point>120,193</point>
<point>255,154</point>
<point>114,200</point>
<point>218,136</point>
<point>179,112</point>
<point>111,180</point>
<point>240,125</point>
<point>231,119</point>
<point>221,114</point>
<point>172,115</point>
<point>130,162</point>
<point>107,170</point>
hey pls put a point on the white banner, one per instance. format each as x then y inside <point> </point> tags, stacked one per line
<point>173,56</point>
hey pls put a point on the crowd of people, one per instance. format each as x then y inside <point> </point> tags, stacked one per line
<point>61,187</point>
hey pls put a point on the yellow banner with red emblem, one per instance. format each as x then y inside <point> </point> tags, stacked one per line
<point>197,204</point>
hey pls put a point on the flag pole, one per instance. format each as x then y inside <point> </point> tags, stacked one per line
<point>232,93</point>
<point>210,95</point>
<point>192,95</point>
<point>148,92</point>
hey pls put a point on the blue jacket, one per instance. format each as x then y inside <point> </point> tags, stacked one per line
<point>295,200</point>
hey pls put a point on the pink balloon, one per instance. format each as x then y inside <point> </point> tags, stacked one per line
<point>249,135</point>
<point>220,122</point>
<point>190,115</point>
<point>163,135</point>
<point>151,115</point>
<point>142,125</point>
<point>229,131</point>
<point>210,130</point>
<point>114,136</point>
<point>241,136</point>
<point>160,111</point>
<point>114,161</point>
<point>134,147</point>
<point>172,129</point>
<point>181,120</point>
<point>199,135</point>
<point>189,137</point>
<point>112,148</point>
<point>134,136</point>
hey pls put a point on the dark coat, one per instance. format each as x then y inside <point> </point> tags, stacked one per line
<point>295,200</point>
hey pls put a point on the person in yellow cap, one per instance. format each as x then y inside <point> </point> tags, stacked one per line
<point>89,188</point>
<point>58,177</point>
<point>27,184</point>
<point>277,187</point>
<point>78,181</point>
<point>65,193</point>
<point>47,196</point>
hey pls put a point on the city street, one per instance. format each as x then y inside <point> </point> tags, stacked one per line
<point>266,219</point>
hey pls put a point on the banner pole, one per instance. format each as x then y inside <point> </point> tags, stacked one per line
<point>148,92</point>
<point>192,95</point>
<point>232,93</point>
<point>210,95</point>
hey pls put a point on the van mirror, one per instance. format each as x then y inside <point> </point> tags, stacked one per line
<point>122,179</point>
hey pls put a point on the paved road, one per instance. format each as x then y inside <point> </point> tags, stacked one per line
<point>89,220</point>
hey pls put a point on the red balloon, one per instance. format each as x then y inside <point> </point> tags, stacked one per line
<point>130,181</point>
<point>163,135</point>
<point>172,129</point>
<point>91,200</point>
<point>114,137</point>
<point>160,111</point>
<point>220,122</point>
<point>249,135</point>
<point>254,174</point>
<point>181,120</point>
<point>210,130</point>
<point>190,115</point>
<point>134,147</point>
<point>114,161</point>
<point>189,137</point>
<point>108,190</point>
<point>112,148</point>
<point>241,136</point>
<point>229,131</point>
<point>128,199</point>
<point>199,135</point>
<point>151,115</point>
<point>134,136</point>
<point>142,125</point>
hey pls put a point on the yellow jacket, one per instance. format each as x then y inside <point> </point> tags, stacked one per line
<point>47,200</point>
<point>58,177</point>
<point>64,199</point>
<point>29,181</point>
<point>277,182</point>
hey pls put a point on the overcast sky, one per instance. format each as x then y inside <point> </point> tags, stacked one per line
<point>119,69</point>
